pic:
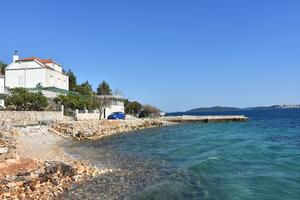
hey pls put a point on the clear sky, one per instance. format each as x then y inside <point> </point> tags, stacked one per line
<point>176,55</point>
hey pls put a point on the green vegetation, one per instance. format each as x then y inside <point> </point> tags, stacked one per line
<point>132,107</point>
<point>72,101</point>
<point>2,67</point>
<point>139,110</point>
<point>85,89</point>
<point>72,80</point>
<point>149,111</point>
<point>104,89</point>
<point>21,99</point>
<point>83,96</point>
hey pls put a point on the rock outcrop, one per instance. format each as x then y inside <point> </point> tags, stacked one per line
<point>45,181</point>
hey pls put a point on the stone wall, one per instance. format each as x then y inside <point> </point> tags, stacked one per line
<point>79,116</point>
<point>23,118</point>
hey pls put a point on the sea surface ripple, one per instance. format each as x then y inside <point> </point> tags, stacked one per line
<point>259,159</point>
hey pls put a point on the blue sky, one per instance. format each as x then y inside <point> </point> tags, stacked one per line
<point>176,55</point>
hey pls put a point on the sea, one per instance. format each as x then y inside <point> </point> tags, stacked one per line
<point>254,160</point>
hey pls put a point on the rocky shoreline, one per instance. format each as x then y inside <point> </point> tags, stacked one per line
<point>25,177</point>
<point>97,129</point>
<point>32,166</point>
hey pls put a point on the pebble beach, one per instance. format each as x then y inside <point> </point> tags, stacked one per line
<point>34,164</point>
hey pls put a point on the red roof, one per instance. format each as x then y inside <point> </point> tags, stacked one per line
<point>44,61</point>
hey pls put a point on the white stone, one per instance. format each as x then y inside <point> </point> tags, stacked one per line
<point>4,150</point>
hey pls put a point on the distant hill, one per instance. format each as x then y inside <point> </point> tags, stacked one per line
<point>230,109</point>
<point>264,107</point>
<point>214,109</point>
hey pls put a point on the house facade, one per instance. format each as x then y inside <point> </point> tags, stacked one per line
<point>34,73</point>
<point>2,90</point>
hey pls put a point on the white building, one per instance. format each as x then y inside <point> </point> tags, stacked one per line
<point>2,90</point>
<point>114,103</point>
<point>111,103</point>
<point>31,73</point>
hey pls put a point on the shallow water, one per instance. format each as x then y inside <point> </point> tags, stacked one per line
<point>259,159</point>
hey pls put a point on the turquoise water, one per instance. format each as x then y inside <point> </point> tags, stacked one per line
<point>259,159</point>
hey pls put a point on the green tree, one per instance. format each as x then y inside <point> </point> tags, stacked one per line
<point>99,103</point>
<point>85,89</point>
<point>37,101</point>
<point>104,89</point>
<point>21,99</point>
<point>149,111</point>
<point>18,99</point>
<point>72,101</point>
<point>72,80</point>
<point>132,107</point>
<point>2,67</point>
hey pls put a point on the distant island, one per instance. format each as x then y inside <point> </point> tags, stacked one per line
<point>231,109</point>
<point>214,109</point>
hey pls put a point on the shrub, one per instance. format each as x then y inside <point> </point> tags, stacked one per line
<point>72,101</point>
<point>132,107</point>
<point>21,99</point>
<point>149,111</point>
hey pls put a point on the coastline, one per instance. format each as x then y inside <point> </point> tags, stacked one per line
<point>98,129</point>
<point>47,171</point>
<point>37,167</point>
<point>40,168</point>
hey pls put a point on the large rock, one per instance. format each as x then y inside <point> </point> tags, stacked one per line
<point>60,168</point>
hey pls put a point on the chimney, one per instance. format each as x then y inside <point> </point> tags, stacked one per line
<point>15,56</point>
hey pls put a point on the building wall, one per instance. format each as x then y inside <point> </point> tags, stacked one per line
<point>2,91</point>
<point>94,115</point>
<point>2,103</point>
<point>113,108</point>
<point>28,78</point>
<point>2,84</point>
<point>28,74</point>
<point>55,67</point>
<point>56,79</point>
<point>86,116</point>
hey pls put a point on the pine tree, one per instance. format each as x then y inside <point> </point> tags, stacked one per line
<point>104,89</point>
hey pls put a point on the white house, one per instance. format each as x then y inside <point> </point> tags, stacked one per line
<point>35,73</point>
